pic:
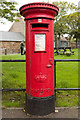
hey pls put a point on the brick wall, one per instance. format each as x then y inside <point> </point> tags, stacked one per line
<point>10,47</point>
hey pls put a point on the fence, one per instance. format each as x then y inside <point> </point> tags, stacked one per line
<point>55,61</point>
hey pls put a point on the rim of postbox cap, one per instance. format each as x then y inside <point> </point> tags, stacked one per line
<point>38,5</point>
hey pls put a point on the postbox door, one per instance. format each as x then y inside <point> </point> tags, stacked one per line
<point>41,64</point>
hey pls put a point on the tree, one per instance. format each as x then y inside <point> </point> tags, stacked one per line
<point>8,11</point>
<point>72,21</point>
<point>60,26</point>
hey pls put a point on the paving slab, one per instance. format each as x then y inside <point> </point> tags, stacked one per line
<point>59,113</point>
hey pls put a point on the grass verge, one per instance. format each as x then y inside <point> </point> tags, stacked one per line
<point>14,76</point>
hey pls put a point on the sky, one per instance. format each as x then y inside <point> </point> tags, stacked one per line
<point>7,25</point>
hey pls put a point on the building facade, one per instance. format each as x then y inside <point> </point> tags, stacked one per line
<point>10,42</point>
<point>64,42</point>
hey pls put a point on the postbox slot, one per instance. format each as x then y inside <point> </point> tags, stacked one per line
<point>39,25</point>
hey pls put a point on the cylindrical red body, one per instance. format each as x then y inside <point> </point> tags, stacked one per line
<point>39,18</point>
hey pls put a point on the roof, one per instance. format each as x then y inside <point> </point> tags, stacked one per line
<point>63,39</point>
<point>18,26</point>
<point>11,36</point>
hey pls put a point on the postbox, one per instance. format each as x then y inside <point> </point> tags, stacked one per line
<point>39,19</point>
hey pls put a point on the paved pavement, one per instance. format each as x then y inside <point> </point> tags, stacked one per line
<point>60,113</point>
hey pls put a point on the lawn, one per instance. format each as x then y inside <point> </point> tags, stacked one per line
<point>13,76</point>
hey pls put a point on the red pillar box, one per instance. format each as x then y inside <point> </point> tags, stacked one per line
<point>39,18</point>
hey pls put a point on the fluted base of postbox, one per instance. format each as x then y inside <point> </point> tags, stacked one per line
<point>40,106</point>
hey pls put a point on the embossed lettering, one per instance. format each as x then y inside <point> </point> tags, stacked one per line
<point>41,90</point>
<point>40,77</point>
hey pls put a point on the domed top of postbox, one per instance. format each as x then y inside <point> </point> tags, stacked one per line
<point>39,10</point>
